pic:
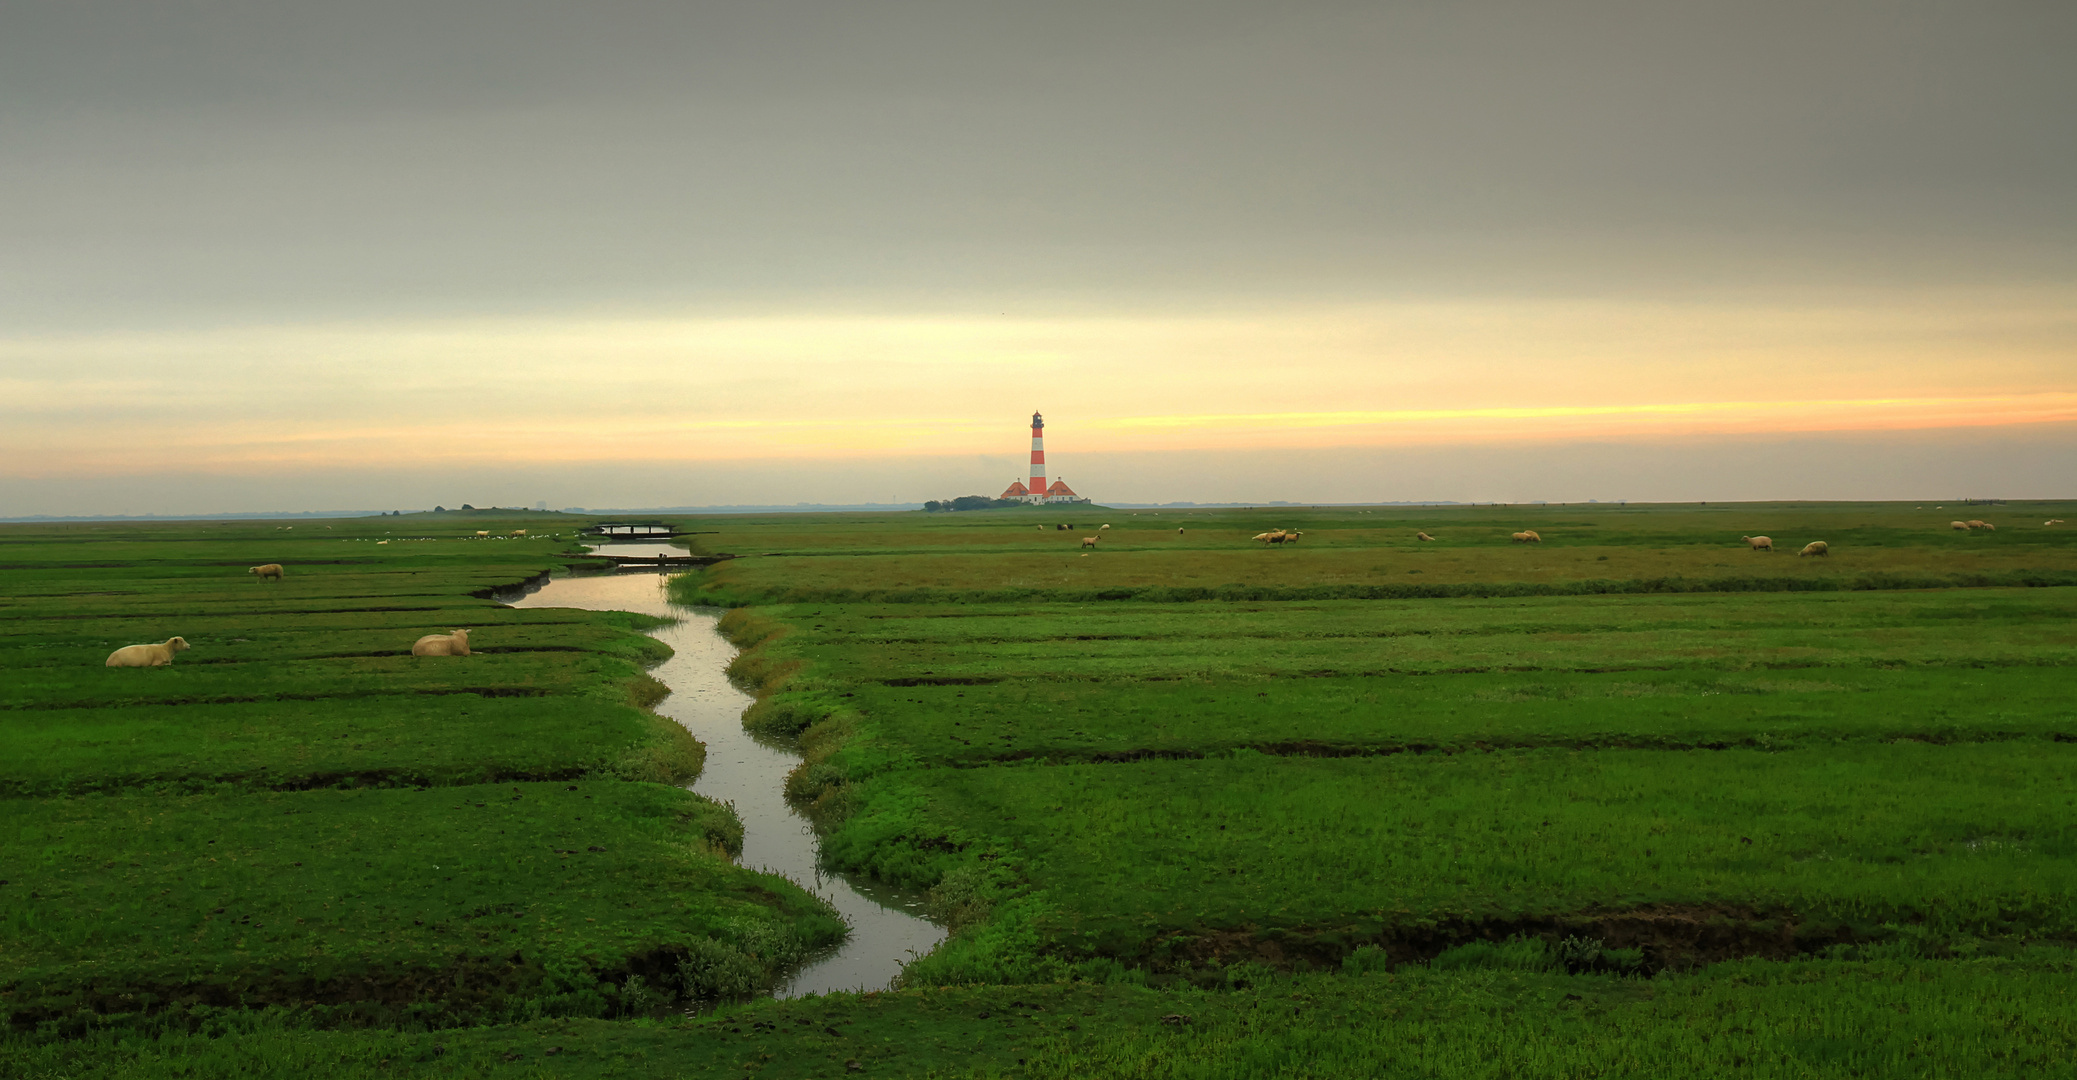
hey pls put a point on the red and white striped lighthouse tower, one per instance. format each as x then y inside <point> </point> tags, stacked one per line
<point>1038,455</point>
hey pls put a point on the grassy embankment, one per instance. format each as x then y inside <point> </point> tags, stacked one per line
<point>1747,815</point>
<point>298,814</point>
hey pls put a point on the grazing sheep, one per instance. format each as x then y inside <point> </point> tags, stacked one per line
<point>1974,524</point>
<point>1089,541</point>
<point>1759,543</point>
<point>1422,536</point>
<point>519,532</point>
<point>1527,536</point>
<point>160,655</point>
<point>1179,532</point>
<point>267,570</point>
<point>455,644</point>
<point>1815,547</point>
<point>1292,537</point>
<point>483,532</point>
<point>1103,528</point>
<point>1988,527</point>
<point>1958,526</point>
<point>1266,538</point>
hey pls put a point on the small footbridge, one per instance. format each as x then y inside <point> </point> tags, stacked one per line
<point>625,530</point>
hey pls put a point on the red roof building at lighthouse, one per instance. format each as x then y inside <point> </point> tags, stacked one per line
<point>1040,491</point>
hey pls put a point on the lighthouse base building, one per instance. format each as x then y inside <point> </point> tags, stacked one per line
<point>1058,492</point>
<point>1038,491</point>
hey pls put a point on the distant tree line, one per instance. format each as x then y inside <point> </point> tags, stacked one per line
<point>970,502</point>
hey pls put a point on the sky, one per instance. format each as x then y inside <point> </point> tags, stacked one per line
<point>384,255</point>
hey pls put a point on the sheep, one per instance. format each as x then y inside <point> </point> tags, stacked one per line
<point>1527,536</point>
<point>519,532</point>
<point>160,655</point>
<point>1179,532</point>
<point>1103,528</point>
<point>1958,526</point>
<point>1422,536</point>
<point>483,532</point>
<point>267,570</point>
<point>1059,528</point>
<point>1266,538</point>
<point>1089,541</point>
<point>1988,527</point>
<point>1815,547</point>
<point>1759,543</point>
<point>2053,521</point>
<point>1040,528</point>
<point>1974,524</point>
<point>1292,537</point>
<point>379,543</point>
<point>455,644</point>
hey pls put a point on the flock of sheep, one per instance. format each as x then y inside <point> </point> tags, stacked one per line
<point>1526,536</point>
<point>457,643</point>
<point>160,654</point>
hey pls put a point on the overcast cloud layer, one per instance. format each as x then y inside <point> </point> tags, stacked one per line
<point>181,181</point>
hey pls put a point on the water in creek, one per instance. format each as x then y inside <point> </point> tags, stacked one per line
<point>887,928</point>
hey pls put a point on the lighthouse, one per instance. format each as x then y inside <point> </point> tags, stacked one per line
<point>1038,455</point>
<point>1039,491</point>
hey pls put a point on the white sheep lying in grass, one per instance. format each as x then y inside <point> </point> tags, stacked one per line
<point>267,570</point>
<point>1815,547</point>
<point>1527,536</point>
<point>160,655</point>
<point>455,644</point>
<point>1422,536</point>
<point>1103,528</point>
<point>1759,543</point>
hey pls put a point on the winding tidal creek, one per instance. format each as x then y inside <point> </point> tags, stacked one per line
<point>887,928</point>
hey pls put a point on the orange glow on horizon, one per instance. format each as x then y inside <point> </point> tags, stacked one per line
<point>535,392</point>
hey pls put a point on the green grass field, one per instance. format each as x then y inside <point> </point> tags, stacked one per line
<point>298,814</point>
<point>1017,555</point>
<point>1634,802</point>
